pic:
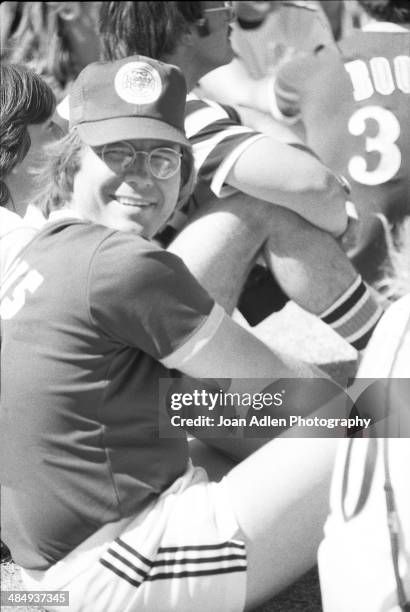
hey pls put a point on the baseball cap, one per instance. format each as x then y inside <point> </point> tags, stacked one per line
<point>135,97</point>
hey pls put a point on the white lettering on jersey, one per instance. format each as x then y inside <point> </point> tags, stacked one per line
<point>379,75</point>
<point>384,143</point>
<point>382,75</point>
<point>360,77</point>
<point>28,280</point>
<point>402,71</point>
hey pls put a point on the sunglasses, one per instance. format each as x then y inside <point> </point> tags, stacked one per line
<point>162,163</point>
<point>228,7</point>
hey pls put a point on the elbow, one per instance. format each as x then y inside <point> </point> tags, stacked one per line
<point>337,200</point>
<point>332,198</point>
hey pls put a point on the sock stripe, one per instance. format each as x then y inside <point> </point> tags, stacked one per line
<point>362,342</point>
<point>354,315</point>
<point>368,319</point>
<point>359,309</point>
<point>346,306</point>
<point>343,297</point>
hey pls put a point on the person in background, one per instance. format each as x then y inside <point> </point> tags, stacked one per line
<point>264,37</point>
<point>27,107</point>
<point>355,106</point>
<point>56,39</point>
<point>129,523</point>
<point>367,533</point>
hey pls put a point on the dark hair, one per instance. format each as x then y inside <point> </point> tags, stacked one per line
<point>25,99</point>
<point>396,11</point>
<point>153,29</point>
<point>62,162</point>
<point>42,41</point>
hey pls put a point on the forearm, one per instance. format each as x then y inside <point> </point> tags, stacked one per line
<point>235,353</point>
<point>292,178</point>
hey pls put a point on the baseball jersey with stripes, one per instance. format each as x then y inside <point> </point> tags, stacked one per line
<point>218,139</point>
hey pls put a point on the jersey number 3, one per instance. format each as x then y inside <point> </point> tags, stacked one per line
<point>388,132</point>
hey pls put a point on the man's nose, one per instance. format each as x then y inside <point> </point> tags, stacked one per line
<point>139,173</point>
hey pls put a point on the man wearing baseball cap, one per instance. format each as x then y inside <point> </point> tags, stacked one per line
<point>98,504</point>
<point>255,195</point>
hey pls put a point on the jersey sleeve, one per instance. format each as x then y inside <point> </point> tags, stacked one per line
<point>142,296</point>
<point>217,139</point>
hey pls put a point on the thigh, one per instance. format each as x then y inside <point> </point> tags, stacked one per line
<point>280,498</point>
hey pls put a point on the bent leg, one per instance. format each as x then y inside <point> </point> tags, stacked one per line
<point>315,273</point>
<point>308,263</point>
<point>221,243</point>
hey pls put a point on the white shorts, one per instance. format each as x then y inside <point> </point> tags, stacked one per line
<point>183,553</point>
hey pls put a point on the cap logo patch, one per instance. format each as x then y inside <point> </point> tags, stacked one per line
<point>138,83</point>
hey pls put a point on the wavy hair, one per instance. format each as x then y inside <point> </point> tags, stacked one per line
<point>25,99</point>
<point>41,40</point>
<point>153,29</point>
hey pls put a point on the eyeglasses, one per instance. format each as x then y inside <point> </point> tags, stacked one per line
<point>162,163</point>
<point>228,7</point>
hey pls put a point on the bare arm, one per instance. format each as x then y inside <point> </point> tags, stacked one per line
<point>233,352</point>
<point>232,84</point>
<point>262,122</point>
<point>293,178</point>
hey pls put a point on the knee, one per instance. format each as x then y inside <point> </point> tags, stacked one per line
<point>287,230</point>
<point>262,220</point>
<point>246,211</point>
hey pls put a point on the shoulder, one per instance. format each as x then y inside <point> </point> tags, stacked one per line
<point>10,221</point>
<point>124,262</point>
<point>129,248</point>
<point>15,233</point>
<point>201,113</point>
<point>304,69</point>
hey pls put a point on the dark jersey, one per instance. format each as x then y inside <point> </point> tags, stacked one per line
<point>356,109</point>
<point>86,323</point>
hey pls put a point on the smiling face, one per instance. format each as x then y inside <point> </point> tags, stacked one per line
<point>133,200</point>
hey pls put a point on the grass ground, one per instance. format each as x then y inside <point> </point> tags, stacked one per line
<point>302,336</point>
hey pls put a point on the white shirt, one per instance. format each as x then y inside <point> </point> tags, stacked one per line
<point>15,233</point>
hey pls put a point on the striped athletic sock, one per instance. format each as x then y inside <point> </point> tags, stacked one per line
<point>354,315</point>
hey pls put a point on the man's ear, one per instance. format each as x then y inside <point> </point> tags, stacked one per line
<point>196,30</point>
<point>188,38</point>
